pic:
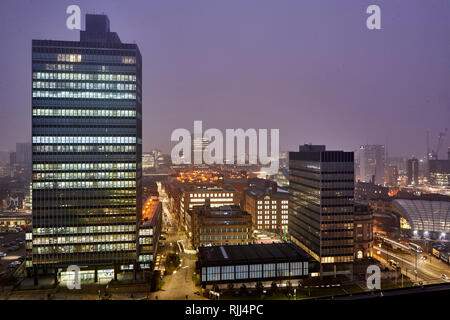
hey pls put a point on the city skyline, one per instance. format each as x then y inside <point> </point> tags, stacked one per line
<point>276,66</point>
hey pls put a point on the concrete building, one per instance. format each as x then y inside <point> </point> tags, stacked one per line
<point>87,153</point>
<point>220,225</point>
<point>249,264</point>
<point>321,206</point>
<point>149,233</point>
<point>268,208</point>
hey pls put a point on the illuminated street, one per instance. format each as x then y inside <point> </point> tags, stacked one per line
<point>429,271</point>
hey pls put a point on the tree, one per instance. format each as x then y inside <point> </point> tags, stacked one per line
<point>216,288</point>
<point>289,287</point>
<point>259,288</point>
<point>243,289</point>
<point>274,287</point>
<point>172,262</point>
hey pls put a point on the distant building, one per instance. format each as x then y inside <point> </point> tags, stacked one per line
<point>363,226</point>
<point>220,226</point>
<point>23,155</point>
<point>15,219</point>
<point>439,172</point>
<point>370,191</point>
<point>282,177</point>
<point>153,159</point>
<point>371,162</point>
<point>268,208</point>
<point>391,175</point>
<point>321,205</point>
<point>198,147</point>
<point>412,172</point>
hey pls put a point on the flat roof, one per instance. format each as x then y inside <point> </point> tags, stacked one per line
<point>150,210</point>
<point>250,254</point>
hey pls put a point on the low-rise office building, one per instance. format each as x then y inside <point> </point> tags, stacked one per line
<point>220,225</point>
<point>268,208</point>
<point>249,264</point>
<point>149,233</point>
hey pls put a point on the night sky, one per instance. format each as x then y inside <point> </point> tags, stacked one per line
<point>308,67</point>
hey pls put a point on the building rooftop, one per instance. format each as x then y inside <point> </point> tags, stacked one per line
<point>149,212</point>
<point>250,254</point>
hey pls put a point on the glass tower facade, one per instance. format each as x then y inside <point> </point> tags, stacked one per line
<point>87,150</point>
<point>321,203</point>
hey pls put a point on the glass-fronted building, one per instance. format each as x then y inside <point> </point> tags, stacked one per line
<point>251,263</point>
<point>87,150</point>
<point>321,206</point>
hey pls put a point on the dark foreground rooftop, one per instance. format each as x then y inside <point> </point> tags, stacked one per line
<point>250,254</point>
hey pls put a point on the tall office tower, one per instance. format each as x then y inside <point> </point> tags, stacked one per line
<point>321,205</point>
<point>23,154</point>
<point>371,163</point>
<point>87,153</point>
<point>198,147</point>
<point>412,171</point>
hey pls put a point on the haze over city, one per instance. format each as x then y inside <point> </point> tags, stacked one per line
<point>310,68</point>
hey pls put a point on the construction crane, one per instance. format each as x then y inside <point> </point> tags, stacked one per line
<point>434,154</point>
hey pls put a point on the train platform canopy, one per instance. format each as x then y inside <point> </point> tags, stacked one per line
<point>250,254</point>
<point>423,215</point>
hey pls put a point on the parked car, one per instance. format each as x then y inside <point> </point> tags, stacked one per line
<point>3,254</point>
<point>14,264</point>
<point>13,248</point>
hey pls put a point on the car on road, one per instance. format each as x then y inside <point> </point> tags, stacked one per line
<point>393,264</point>
<point>423,258</point>
<point>444,276</point>
<point>3,254</point>
<point>13,248</point>
<point>14,264</point>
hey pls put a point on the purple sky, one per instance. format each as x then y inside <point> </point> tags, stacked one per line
<point>308,67</point>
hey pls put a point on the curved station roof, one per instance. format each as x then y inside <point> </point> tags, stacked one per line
<point>422,215</point>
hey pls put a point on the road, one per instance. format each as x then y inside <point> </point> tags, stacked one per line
<point>180,284</point>
<point>14,255</point>
<point>429,271</point>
